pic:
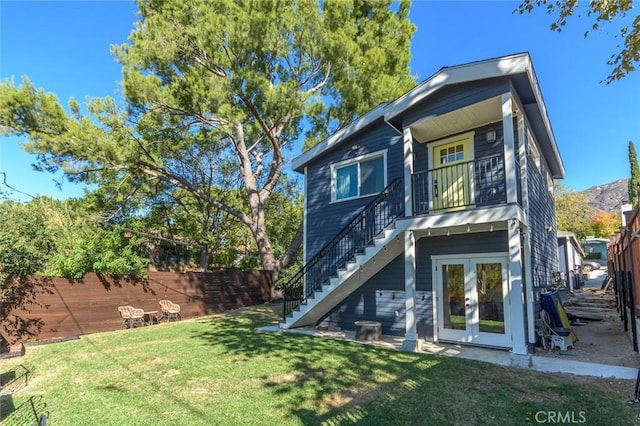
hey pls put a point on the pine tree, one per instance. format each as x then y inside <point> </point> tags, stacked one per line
<point>216,95</point>
<point>634,181</point>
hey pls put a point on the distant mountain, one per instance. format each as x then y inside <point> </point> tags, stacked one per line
<point>607,197</point>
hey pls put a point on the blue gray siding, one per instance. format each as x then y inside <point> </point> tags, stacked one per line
<point>326,219</point>
<point>382,297</point>
<point>379,299</point>
<point>454,97</point>
<point>542,215</point>
<point>480,147</point>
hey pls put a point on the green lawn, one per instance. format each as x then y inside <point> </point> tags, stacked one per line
<point>218,371</point>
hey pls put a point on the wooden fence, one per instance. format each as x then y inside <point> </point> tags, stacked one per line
<point>66,308</point>
<point>623,252</point>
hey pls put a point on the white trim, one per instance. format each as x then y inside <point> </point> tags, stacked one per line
<point>533,151</point>
<point>470,135</point>
<point>411,330</point>
<point>436,257</point>
<point>545,117</point>
<point>357,160</point>
<point>497,67</point>
<point>434,301</point>
<point>524,170</point>
<point>482,215</point>
<point>509,148</point>
<point>343,133</point>
<point>472,334</point>
<point>529,295</point>
<point>517,295</point>
<point>407,144</point>
<point>449,139</point>
<point>480,70</point>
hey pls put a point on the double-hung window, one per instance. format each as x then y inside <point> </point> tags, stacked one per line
<point>359,177</point>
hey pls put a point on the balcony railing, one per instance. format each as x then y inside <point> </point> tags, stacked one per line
<point>480,182</point>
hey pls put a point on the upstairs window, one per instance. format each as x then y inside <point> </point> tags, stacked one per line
<point>359,177</point>
<point>451,153</point>
<point>533,152</point>
<point>550,183</point>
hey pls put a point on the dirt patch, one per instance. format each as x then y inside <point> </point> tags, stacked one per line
<point>603,342</point>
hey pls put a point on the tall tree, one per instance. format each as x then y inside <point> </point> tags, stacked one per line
<point>605,224</point>
<point>600,12</point>
<point>634,180</point>
<point>572,211</point>
<point>218,93</point>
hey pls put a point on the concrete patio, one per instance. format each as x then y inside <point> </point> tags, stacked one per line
<point>620,363</point>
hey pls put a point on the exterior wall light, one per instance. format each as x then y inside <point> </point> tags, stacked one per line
<point>491,135</point>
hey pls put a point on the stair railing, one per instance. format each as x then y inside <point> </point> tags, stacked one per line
<point>359,233</point>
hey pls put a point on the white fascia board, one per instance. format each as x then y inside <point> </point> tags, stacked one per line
<point>514,64</point>
<point>451,75</point>
<point>545,118</point>
<point>571,237</point>
<point>490,68</point>
<point>377,113</point>
<point>481,70</point>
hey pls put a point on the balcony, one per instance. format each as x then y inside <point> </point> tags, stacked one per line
<point>477,183</point>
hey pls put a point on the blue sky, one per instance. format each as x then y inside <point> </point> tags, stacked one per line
<point>64,47</point>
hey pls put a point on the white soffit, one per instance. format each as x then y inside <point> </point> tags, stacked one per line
<point>459,74</point>
<point>466,118</point>
<point>490,68</point>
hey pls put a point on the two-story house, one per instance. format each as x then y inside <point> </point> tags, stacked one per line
<point>433,214</point>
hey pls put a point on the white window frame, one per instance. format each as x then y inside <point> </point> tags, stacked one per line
<point>432,146</point>
<point>549,183</point>
<point>532,149</point>
<point>357,160</point>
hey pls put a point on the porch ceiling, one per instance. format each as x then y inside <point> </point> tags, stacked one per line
<point>436,127</point>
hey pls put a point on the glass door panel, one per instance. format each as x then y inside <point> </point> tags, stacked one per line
<point>472,300</point>
<point>453,295</point>
<point>489,285</point>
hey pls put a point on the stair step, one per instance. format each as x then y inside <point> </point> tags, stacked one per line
<point>346,273</point>
<point>595,304</point>
<point>590,309</point>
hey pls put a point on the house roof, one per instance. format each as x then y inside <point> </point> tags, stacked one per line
<point>341,135</point>
<point>571,237</point>
<point>524,81</point>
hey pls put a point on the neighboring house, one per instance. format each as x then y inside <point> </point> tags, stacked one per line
<point>595,249</point>
<point>433,214</point>
<point>570,256</point>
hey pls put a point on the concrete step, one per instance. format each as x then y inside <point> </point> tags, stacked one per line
<point>592,298</point>
<point>592,309</point>
<point>603,303</point>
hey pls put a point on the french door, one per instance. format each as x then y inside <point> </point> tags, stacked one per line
<point>472,294</point>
